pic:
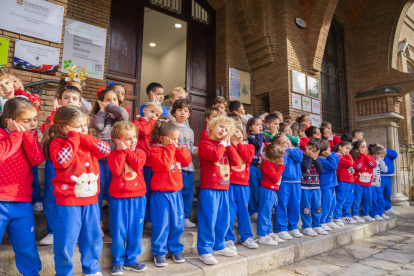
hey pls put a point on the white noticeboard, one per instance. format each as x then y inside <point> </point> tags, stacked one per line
<point>297,101</point>
<point>298,82</point>
<point>315,119</point>
<point>316,106</point>
<point>35,18</point>
<point>84,46</point>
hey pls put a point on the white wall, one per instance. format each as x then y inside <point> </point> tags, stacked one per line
<point>150,73</point>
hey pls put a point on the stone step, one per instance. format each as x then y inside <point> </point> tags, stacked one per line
<point>248,262</point>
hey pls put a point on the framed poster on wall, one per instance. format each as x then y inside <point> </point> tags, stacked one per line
<point>307,106</point>
<point>4,51</point>
<point>313,87</point>
<point>298,82</point>
<point>296,101</point>
<point>240,85</point>
<point>315,119</point>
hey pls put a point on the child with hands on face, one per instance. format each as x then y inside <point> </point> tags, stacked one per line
<point>155,93</point>
<point>326,133</point>
<point>272,125</point>
<point>311,132</point>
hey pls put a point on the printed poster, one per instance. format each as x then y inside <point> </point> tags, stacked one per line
<point>307,105</point>
<point>296,101</point>
<point>4,51</point>
<point>316,120</point>
<point>36,57</point>
<point>298,82</point>
<point>316,106</point>
<point>84,46</point>
<point>313,87</point>
<point>35,18</point>
<point>234,76</point>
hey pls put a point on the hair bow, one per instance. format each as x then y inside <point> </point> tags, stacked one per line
<point>111,83</point>
<point>164,120</point>
<point>99,91</point>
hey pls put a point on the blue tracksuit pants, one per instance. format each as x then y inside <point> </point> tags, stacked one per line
<point>346,209</point>
<point>386,181</point>
<point>77,223</point>
<point>147,177</point>
<point>187,192</point>
<point>213,220</point>
<point>254,184</point>
<point>268,200</point>
<point>17,219</point>
<point>309,203</point>
<point>37,191</point>
<point>363,198</point>
<point>49,202</point>
<point>378,202</point>
<point>288,207</point>
<point>167,219</point>
<point>238,204</point>
<point>341,191</point>
<point>328,204</point>
<point>105,179</point>
<point>126,223</point>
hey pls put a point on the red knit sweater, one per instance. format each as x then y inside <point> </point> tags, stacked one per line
<point>127,177</point>
<point>48,121</point>
<point>303,142</point>
<point>217,159</point>
<point>18,152</point>
<point>204,136</point>
<point>144,136</point>
<point>335,141</point>
<point>75,160</point>
<point>272,175</point>
<point>364,166</point>
<point>240,174</point>
<point>167,166</point>
<point>345,171</point>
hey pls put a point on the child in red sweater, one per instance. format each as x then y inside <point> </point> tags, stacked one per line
<point>75,157</point>
<point>167,208</point>
<point>304,120</point>
<point>272,168</point>
<point>311,132</point>
<point>210,114</point>
<point>326,133</point>
<point>239,192</point>
<point>363,165</point>
<point>19,150</point>
<point>217,155</point>
<point>127,203</point>
<point>145,125</point>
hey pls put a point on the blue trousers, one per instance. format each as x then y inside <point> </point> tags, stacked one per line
<point>288,206</point>
<point>254,184</point>
<point>126,223</point>
<point>309,204</point>
<point>238,204</point>
<point>346,208</point>
<point>363,198</point>
<point>147,177</point>
<point>167,215</point>
<point>49,201</point>
<point>341,191</point>
<point>37,191</point>
<point>328,204</point>
<point>77,223</point>
<point>187,192</point>
<point>213,220</point>
<point>105,179</point>
<point>17,219</point>
<point>268,200</point>
<point>378,202</point>
<point>386,181</point>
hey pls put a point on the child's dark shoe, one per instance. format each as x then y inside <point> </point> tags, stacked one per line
<point>179,258</point>
<point>137,267</point>
<point>159,260</point>
<point>117,270</point>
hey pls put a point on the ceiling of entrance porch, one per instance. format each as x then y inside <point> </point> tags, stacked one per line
<point>159,29</point>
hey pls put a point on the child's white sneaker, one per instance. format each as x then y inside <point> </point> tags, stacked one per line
<point>100,229</point>
<point>325,227</point>
<point>254,217</point>
<point>208,259</point>
<point>320,231</point>
<point>230,245</point>
<point>378,217</point>
<point>310,232</point>
<point>38,207</point>
<point>348,220</point>
<point>48,240</point>
<point>284,235</point>
<point>392,211</point>
<point>250,243</point>
<point>296,233</point>
<point>339,222</point>
<point>188,223</point>
<point>368,218</point>
<point>147,225</point>
<point>358,219</point>
<point>95,274</point>
<point>267,241</point>
<point>332,225</point>
<point>384,216</point>
<point>275,237</point>
<point>225,252</point>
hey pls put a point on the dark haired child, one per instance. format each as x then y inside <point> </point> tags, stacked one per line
<point>218,155</point>
<point>311,132</point>
<point>20,151</point>
<point>297,131</point>
<point>310,202</point>
<point>237,119</point>
<point>345,190</point>
<point>272,125</point>
<point>220,103</point>
<point>145,125</point>
<point>75,157</point>
<point>347,137</point>
<point>167,210</point>
<point>128,201</point>
<point>357,135</point>
<point>304,120</point>
<point>272,168</point>
<point>181,110</point>
<point>363,165</point>
<point>329,182</point>
<point>238,108</point>
<point>327,134</point>
<point>289,193</point>
<point>176,93</point>
<point>155,93</point>
<point>79,83</point>
<point>386,180</point>
<point>121,92</point>
<point>107,112</point>
<point>239,192</point>
<point>210,113</point>
<point>378,204</point>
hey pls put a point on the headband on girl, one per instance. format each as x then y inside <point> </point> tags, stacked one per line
<point>111,83</point>
<point>99,91</point>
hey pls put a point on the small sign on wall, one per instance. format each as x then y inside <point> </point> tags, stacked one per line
<point>239,84</point>
<point>298,82</point>
<point>316,106</point>
<point>296,101</point>
<point>4,51</point>
<point>307,106</point>
<point>313,87</point>
<point>315,119</point>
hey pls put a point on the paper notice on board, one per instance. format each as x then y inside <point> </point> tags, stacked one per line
<point>315,119</point>
<point>297,101</point>
<point>234,84</point>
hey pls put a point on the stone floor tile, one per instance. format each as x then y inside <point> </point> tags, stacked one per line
<point>338,257</point>
<point>379,240</point>
<point>403,272</point>
<point>313,267</point>
<point>360,252</point>
<point>394,256</point>
<point>405,247</point>
<point>379,263</point>
<point>279,272</point>
<point>359,270</point>
<point>409,266</point>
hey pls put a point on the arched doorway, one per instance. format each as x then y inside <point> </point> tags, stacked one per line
<point>125,50</point>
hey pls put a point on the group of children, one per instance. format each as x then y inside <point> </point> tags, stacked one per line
<point>252,168</point>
